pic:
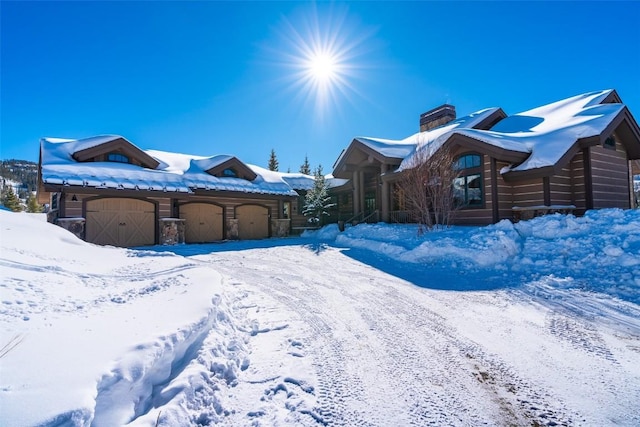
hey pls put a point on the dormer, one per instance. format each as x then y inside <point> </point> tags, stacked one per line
<point>117,150</point>
<point>227,167</point>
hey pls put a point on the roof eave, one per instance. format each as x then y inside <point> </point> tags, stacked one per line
<point>465,141</point>
<point>342,168</point>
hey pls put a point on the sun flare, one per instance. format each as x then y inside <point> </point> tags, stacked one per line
<point>322,67</point>
<point>323,51</point>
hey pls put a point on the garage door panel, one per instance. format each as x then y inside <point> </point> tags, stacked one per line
<point>120,222</point>
<point>203,222</point>
<point>135,229</point>
<point>253,222</point>
<point>102,228</point>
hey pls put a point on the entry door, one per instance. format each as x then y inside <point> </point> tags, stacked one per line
<point>253,222</point>
<point>204,222</point>
<point>120,222</point>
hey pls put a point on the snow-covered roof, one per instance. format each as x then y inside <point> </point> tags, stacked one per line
<point>548,132</point>
<point>300,181</point>
<point>541,136</point>
<point>388,147</point>
<point>404,149</point>
<point>433,139</point>
<point>175,173</point>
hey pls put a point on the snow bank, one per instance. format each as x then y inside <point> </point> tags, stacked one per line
<point>107,334</point>
<point>599,252</point>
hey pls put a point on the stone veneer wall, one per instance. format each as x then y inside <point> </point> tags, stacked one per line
<point>171,231</point>
<point>232,229</point>
<point>280,227</point>
<point>74,225</point>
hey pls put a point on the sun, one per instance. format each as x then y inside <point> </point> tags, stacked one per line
<point>323,67</point>
<point>321,54</point>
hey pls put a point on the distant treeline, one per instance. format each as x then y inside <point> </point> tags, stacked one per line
<point>22,171</point>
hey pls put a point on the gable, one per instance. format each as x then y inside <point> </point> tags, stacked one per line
<point>232,168</point>
<point>117,150</point>
<point>626,130</point>
<point>370,152</point>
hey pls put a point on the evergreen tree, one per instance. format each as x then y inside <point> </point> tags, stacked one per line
<point>10,200</point>
<point>317,200</point>
<point>273,161</point>
<point>32,204</point>
<point>305,168</point>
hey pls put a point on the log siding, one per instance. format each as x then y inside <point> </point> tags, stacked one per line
<point>610,177</point>
<point>528,193</point>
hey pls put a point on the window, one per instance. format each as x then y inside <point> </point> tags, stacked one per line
<point>467,187</point>
<point>117,157</point>
<point>468,161</point>
<point>54,201</point>
<point>610,143</point>
<point>229,173</point>
<point>399,203</point>
<point>286,210</point>
<point>369,202</point>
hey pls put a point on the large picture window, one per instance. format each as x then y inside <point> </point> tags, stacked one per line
<point>467,186</point>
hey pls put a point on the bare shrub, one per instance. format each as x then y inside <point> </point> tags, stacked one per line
<point>427,184</point>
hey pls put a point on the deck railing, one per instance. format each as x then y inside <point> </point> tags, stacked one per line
<point>363,217</point>
<point>400,217</point>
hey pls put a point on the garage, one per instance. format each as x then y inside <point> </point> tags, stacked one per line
<point>120,222</point>
<point>253,222</point>
<point>203,222</point>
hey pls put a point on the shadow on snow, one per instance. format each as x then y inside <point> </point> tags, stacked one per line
<point>432,276</point>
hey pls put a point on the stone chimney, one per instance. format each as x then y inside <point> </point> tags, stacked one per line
<point>437,117</point>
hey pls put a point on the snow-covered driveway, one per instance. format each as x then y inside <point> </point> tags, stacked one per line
<point>534,323</point>
<point>335,341</point>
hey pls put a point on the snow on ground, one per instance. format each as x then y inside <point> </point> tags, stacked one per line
<point>534,323</point>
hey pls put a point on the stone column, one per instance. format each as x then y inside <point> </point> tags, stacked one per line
<point>280,227</point>
<point>74,225</point>
<point>232,229</point>
<point>172,231</point>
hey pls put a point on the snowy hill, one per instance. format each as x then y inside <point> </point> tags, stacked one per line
<point>21,175</point>
<point>536,323</point>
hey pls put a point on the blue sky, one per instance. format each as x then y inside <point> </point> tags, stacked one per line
<point>211,78</point>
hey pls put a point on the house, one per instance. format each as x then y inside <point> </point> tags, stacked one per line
<point>108,191</point>
<point>572,155</point>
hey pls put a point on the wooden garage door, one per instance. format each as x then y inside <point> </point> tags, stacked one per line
<point>253,222</point>
<point>120,222</point>
<point>203,222</point>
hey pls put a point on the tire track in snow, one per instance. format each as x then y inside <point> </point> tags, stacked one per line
<point>518,401</point>
<point>339,386</point>
<point>446,379</point>
<point>418,372</point>
<point>335,383</point>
